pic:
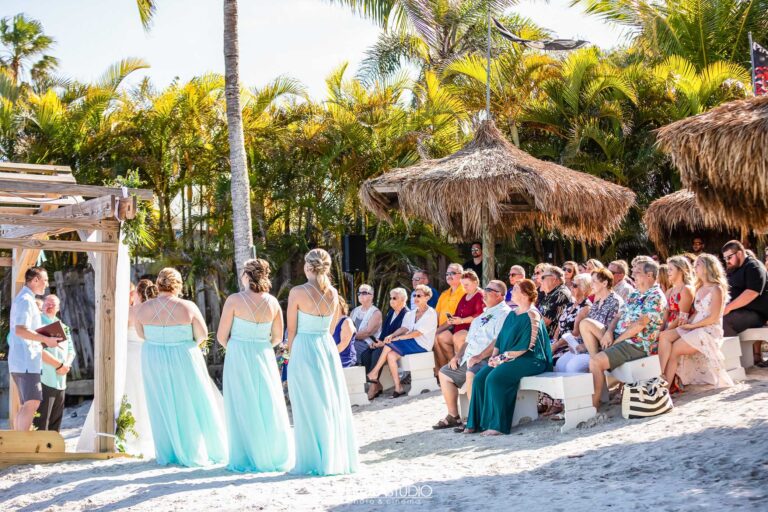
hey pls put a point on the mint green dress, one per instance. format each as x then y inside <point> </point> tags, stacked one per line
<point>257,419</point>
<point>322,416</point>
<point>494,390</point>
<point>187,426</point>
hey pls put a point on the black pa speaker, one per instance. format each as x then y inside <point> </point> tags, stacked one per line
<point>354,259</point>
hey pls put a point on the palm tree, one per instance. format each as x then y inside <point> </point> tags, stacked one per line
<point>701,31</point>
<point>242,226</point>
<point>25,45</point>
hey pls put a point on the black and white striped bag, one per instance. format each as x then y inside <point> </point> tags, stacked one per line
<point>645,398</point>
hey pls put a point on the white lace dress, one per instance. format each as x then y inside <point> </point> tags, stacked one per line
<point>706,367</point>
<point>134,392</point>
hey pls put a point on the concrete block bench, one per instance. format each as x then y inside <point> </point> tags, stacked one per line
<point>634,371</point>
<point>747,339</point>
<point>574,389</point>
<point>731,349</point>
<point>355,376</point>
<point>422,369</point>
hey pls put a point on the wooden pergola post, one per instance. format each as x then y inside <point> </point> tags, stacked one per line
<point>489,251</point>
<point>26,229</point>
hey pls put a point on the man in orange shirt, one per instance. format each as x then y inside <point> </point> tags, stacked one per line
<point>446,305</point>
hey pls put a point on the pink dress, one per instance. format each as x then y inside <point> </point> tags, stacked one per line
<point>706,367</point>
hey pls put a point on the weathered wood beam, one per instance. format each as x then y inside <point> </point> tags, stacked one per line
<point>105,272</point>
<point>101,208</point>
<point>35,168</point>
<point>19,210</point>
<point>9,183</point>
<point>38,178</point>
<point>33,200</point>
<point>13,459</point>
<point>52,223</point>
<point>57,245</point>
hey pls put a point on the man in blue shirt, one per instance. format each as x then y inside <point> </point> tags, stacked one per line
<point>26,346</point>
<point>422,277</point>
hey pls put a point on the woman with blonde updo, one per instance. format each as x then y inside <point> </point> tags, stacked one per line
<point>322,418</point>
<point>187,426</point>
<point>257,419</point>
<point>141,443</point>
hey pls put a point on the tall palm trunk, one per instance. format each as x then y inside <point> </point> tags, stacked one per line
<point>240,189</point>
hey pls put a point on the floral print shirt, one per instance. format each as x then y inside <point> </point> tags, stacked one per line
<point>652,304</point>
<point>553,304</point>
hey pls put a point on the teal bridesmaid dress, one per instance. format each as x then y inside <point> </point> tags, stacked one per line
<point>257,418</point>
<point>322,417</point>
<point>187,426</point>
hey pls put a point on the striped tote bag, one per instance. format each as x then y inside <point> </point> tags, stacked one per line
<point>645,398</point>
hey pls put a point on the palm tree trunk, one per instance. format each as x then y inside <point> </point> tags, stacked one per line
<point>241,205</point>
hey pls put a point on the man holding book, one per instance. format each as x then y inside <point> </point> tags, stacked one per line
<point>56,364</point>
<point>26,346</point>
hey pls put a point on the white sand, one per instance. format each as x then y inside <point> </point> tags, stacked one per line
<point>710,453</point>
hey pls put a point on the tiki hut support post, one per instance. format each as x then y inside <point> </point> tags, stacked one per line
<point>489,251</point>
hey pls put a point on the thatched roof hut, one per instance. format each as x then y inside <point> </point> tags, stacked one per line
<point>722,156</point>
<point>677,214</point>
<point>491,188</point>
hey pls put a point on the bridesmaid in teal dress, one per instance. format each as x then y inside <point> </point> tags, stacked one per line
<point>322,417</point>
<point>257,419</point>
<point>522,349</point>
<point>182,401</point>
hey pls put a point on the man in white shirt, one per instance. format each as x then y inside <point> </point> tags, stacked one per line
<point>25,360</point>
<point>621,285</point>
<point>474,354</point>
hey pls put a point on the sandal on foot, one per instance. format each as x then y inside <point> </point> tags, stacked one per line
<point>459,430</point>
<point>398,394</point>
<point>371,381</point>
<point>447,422</point>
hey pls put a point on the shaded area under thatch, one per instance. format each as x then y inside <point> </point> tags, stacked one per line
<point>678,215</point>
<point>722,156</point>
<point>492,184</point>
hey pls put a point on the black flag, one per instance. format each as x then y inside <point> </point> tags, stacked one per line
<point>760,69</point>
<point>552,44</point>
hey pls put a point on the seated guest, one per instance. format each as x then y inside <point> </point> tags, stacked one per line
<point>663,282</point>
<point>392,322</point>
<point>621,285</point>
<point>570,270</point>
<point>416,335</point>
<point>605,308</point>
<point>476,263</point>
<point>557,297</point>
<point>516,274</point>
<point>593,265</point>
<point>697,345</point>
<point>57,362</point>
<point>446,305</point>
<point>697,246</point>
<point>635,333</point>
<point>522,349</point>
<point>573,314</point>
<point>367,320</point>
<point>422,277</point>
<point>342,335</point>
<point>473,355</point>
<point>582,268</point>
<point>448,342</point>
<point>537,271</point>
<point>680,293</point>
<point>747,279</point>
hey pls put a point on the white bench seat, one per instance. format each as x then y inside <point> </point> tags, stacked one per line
<point>731,349</point>
<point>574,389</point>
<point>644,368</point>
<point>355,377</point>
<point>422,369</point>
<point>747,340</point>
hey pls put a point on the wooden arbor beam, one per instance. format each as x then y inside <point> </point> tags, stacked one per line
<point>35,168</point>
<point>55,223</point>
<point>57,245</point>
<point>23,185</point>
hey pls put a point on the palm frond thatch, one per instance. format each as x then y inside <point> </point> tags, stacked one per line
<point>722,158</point>
<point>491,182</point>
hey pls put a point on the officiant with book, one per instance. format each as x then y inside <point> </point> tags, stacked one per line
<point>57,362</point>
<point>26,346</point>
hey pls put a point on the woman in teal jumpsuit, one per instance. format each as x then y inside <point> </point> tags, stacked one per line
<point>522,349</point>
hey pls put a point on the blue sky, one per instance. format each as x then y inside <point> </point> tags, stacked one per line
<point>305,39</point>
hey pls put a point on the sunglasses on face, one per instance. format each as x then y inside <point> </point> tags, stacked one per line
<point>491,290</point>
<point>568,269</point>
<point>418,295</point>
<point>364,293</point>
<point>449,274</point>
<point>393,298</point>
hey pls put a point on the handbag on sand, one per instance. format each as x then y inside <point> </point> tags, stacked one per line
<point>645,398</point>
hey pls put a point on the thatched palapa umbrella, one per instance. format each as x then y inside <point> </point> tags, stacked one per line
<point>492,188</point>
<point>722,156</point>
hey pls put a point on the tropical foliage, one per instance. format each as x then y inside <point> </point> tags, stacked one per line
<point>592,110</point>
